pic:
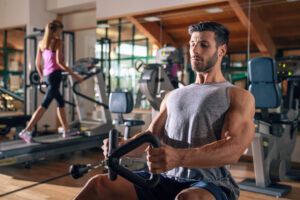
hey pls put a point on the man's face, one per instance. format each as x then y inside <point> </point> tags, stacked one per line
<point>203,51</point>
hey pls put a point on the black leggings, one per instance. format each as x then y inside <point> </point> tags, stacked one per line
<point>53,82</point>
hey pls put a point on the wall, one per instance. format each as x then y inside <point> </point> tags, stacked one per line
<point>113,8</point>
<point>13,13</point>
<point>38,15</point>
<point>69,5</point>
<point>80,20</point>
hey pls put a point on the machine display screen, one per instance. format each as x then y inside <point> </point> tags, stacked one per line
<point>288,66</point>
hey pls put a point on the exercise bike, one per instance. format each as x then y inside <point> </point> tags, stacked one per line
<point>275,133</point>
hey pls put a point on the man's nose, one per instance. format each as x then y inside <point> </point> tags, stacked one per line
<point>194,51</point>
<point>195,48</point>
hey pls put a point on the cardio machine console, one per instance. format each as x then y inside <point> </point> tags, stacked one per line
<point>84,65</point>
<point>288,66</point>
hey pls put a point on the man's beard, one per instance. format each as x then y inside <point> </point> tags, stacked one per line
<point>205,67</point>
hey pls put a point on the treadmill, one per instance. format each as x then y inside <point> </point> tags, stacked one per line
<point>18,151</point>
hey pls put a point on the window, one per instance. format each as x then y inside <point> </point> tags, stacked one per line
<point>127,45</point>
<point>11,63</point>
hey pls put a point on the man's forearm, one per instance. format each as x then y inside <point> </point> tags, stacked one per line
<point>216,154</point>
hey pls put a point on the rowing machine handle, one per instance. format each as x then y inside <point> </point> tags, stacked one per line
<point>113,145</point>
<point>114,160</point>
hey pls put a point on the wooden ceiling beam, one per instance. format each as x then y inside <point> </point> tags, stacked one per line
<point>183,10</point>
<point>259,33</point>
<point>153,31</point>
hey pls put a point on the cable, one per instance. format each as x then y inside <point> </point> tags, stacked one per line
<point>29,186</point>
<point>249,29</point>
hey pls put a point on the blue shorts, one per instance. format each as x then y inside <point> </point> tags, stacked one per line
<point>168,188</point>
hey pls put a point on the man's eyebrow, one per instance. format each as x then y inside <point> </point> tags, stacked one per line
<point>201,41</point>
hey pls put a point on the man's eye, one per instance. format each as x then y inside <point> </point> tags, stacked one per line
<point>204,45</point>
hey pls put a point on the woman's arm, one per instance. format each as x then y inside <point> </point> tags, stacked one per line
<point>38,61</point>
<point>62,64</point>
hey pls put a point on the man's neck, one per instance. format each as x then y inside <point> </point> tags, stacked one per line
<point>213,76</point>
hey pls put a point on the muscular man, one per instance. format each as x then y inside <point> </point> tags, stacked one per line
<point>203,127</point>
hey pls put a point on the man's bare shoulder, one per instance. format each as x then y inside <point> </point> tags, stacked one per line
<point>241,97</point>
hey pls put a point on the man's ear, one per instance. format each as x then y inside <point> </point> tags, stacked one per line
<point>222,50</point>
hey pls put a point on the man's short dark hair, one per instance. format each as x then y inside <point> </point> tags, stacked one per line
<point>221,32</point>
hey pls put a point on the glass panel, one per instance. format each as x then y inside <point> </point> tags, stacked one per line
<point>138,34</point>
<point>113,22</point>
<point>1,60</point>
<point>15,38</point>
<point>152,49</point>
<point>126,50</point>
<point>140,48</point>
<point>114,51</point>
<point>101,32</point>
<point>126,33</point>
<point>15,61</point>
<point>1,68</point>
<point>114,73</point>
<point>238,60</point>
<point>125,21</point>
<point>127,75</point>
<point>113,33</point>
<point>124,53</point>
<point>1,38</point>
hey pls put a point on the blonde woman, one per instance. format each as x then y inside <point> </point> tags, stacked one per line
<point>50,49</point>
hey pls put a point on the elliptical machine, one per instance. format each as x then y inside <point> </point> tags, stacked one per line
<point>155,80</point>
<point>275,133</point>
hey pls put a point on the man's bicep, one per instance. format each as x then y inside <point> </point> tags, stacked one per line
<point>238,122</point>
<point>158,124</point>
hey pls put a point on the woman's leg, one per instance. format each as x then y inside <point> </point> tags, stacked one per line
<point>25,134</point>
<point>61,113</point>
<point>35,118</point>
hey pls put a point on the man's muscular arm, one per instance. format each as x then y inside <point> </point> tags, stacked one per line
<point>237,133</point>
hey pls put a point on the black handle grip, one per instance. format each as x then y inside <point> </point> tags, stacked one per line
<point>113,145</point>
<point>78,170</point>
<point>113,161</point>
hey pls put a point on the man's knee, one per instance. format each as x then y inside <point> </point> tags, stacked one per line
<point>194,194</point>
<point>98,181</point>
<point>102,186</point>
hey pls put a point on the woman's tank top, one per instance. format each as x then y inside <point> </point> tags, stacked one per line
<point>50,64</point>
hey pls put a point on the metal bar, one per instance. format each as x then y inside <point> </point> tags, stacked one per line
<point>12,94</point>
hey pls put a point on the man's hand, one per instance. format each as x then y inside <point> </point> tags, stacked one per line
<point>163,159</point>
<point>105,146</point>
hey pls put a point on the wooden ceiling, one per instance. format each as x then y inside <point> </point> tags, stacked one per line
<point>274,24</point>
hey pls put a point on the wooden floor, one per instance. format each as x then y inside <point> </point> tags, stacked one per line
<point>15,177</point>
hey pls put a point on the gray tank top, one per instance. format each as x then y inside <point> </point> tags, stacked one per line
<point>195,118</point>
